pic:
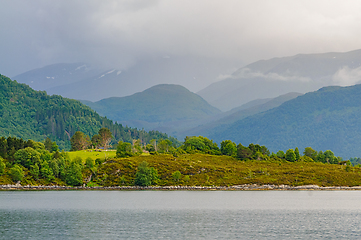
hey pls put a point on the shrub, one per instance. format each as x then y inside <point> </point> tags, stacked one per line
<point>145,175</point>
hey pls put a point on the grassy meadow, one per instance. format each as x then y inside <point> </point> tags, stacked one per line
<point>209,170</point>
<point>84,154</point>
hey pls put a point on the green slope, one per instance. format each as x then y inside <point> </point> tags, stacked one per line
<point>325,119</point>
<point>157,107</point>
<point>30,114</point>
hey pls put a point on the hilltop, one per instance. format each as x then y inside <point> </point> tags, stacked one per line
<point>165,107</point>
<point>29,114</point>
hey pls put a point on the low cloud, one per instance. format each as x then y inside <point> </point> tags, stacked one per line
<point>248,73</point>
<point>347,76</point>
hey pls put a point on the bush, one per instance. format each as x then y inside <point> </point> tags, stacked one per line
<point>176,176</point>
<point>145,175</point>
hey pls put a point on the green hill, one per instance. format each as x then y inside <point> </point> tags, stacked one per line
<point>325,119</point>
<point>29,114</point>
<point>162,107</point>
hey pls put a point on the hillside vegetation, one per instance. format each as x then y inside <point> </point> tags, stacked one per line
<point>29,114</point>
<point>164,107</point>
<point>198,162</point>
<point>325,119</point>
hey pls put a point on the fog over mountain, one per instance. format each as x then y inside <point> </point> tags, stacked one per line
<point>270,78</point>
<point>91,82</point>
<point>123,34</point>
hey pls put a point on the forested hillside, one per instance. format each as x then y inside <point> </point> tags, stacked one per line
<point>164,107</point>
<point>30,114</point>
<point>326,119</point>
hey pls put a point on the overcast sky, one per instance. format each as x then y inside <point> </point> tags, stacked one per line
<point>118,33</point>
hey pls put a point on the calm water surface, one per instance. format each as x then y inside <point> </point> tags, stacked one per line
<point>180,215</point>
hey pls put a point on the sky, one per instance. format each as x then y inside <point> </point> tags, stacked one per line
<point>120,33</point>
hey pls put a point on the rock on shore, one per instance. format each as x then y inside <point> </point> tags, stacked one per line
<point>245,187</point>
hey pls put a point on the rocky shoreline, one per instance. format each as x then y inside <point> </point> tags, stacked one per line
<point>245,187</point>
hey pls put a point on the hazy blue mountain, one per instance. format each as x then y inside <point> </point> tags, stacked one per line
<point>224,120</point>
<point>325,119</point>
<point>162,107</point>
<point>80,81</point>
<point>56,75</point>
<point>271,78</point>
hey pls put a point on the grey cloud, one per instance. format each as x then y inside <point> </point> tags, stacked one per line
<point>247,73</point>
<point>117,34</point>
<point>347,77</point>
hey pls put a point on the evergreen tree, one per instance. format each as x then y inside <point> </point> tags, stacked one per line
<point>290,155</point>
<point>297,154</point>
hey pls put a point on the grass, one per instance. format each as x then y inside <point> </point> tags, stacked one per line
<point>208,170</point>
<point>92,154</point>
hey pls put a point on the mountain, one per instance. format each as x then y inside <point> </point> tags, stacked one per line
<point>224,120</point>
<point>29,114</point>
<point>56,75</point>
<point>270,78</point>
<point>166,106</point>
<point>324,119</point>
<point>87,82</point>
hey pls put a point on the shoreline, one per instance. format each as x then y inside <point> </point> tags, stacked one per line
<point>245,187</point>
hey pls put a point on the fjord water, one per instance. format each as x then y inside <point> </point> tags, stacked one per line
<point>180,214</point>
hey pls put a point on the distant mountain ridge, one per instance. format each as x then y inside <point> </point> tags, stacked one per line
<point>324,119</point>
<point>270,78</point>
<point>164,106</point>
<point>93,83</point>
<point>228,118</point>
<point>55,75</point>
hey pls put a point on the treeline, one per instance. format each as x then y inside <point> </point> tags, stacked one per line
<point>37,163</point>
<point>104,139</point>
<point>204,145</point>
<point>31,162</point>
<point>29,114</point>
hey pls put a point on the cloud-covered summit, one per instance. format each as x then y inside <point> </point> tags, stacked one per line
<point>120,33</point>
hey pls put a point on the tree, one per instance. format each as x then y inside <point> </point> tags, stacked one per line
<point>73,174</point>
<point>165,145</point>
<point>297,154</point>
<point>228,148</point>
<point>320,157</point>
<point>46,172</point>
<point>79,141</point>
<point>95,141</point>
<point>48,144</point>
<point>16,173</point>
<point>290,155</point>
<point>280,154</point>
<point>137,146</point>
<point>2,166</point>
<point>34,171</point>
<point>27,157</point>
<point>150,148</point>
<point>176,176</point>
<point>105,137</point>
<point>145,175</point>
<point>309,152</point>
<point>243,152</point>
<point>54,147</point>
<point>330,157</point>
<point>124,149</point>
